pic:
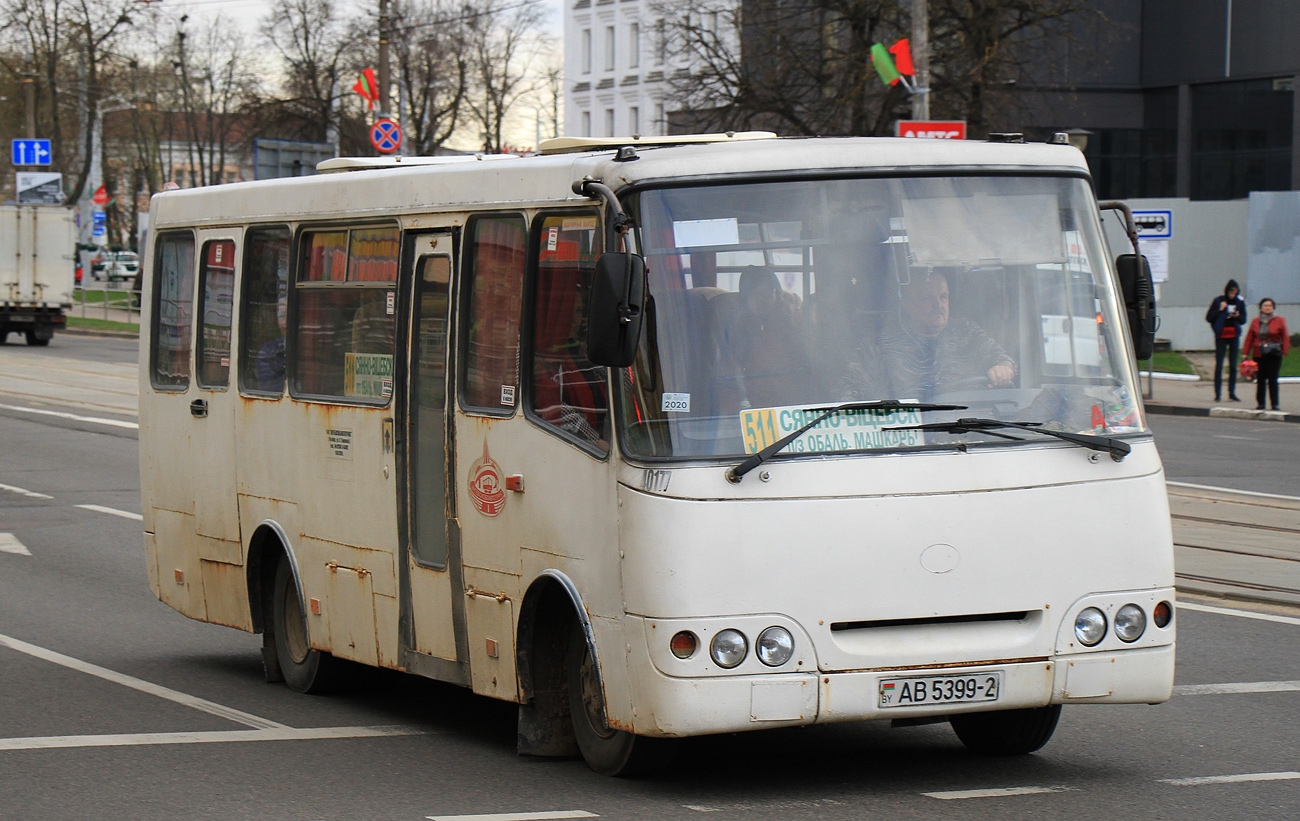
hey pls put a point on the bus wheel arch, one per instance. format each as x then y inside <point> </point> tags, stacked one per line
<point>563,712</point>
<point>268,546</point>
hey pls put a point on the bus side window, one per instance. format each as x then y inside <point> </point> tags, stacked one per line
<point>264,310</point>
<point>345,316</point>
<point>493,277</point>
<point>567,390</point>
<point>217,292</point>
<point>173,314</point>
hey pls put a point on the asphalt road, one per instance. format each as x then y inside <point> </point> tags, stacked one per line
<point>87,729</point>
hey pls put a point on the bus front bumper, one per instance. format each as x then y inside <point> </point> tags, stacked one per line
<point>672,706</point>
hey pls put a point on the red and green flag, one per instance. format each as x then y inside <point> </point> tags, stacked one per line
<point>902,51</point>
<point>892,68</point>
<point>368,87</point>
<point>884,65</point>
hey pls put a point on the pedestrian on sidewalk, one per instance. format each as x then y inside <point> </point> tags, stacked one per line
<point>1226,315</point>
<point>1267,342</point>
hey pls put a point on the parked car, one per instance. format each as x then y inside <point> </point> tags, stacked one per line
<point>115,266</point>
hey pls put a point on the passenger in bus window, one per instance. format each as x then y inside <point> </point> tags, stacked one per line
<point>926,354</point>
<point>270,357</point>
<point>765,342</point>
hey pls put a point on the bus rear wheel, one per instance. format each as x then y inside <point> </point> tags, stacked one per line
<point>39,341</point>
<point>305,670</point>
<point>1007,732</point>
<point>607,751</point>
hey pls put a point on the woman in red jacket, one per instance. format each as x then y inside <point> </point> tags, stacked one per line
<point>1267,342</point>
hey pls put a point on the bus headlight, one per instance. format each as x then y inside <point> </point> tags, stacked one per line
<point>1090,626</point>
<point>728,648</point>
<point>775,646</point>
<point>1130,622</point>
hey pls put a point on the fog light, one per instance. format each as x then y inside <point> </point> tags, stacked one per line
<point>1163,614</point>
<point>775,646</point>
<point>1090,626</point>
<point>1130,622</point>
<point>729,648</point>
<point>683,644</point>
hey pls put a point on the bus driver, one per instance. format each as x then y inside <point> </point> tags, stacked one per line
<point>925,354</point>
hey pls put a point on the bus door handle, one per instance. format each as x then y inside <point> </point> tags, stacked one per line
<point>199,408</point>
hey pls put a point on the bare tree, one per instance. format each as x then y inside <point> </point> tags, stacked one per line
<point>431,44</point>
<point>803,66</point>
<point>314,42</point>
<point>504,44</point>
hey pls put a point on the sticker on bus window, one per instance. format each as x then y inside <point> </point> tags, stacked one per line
<point>676,403</point>
<point>390,303</point>
<point>841,431</point>
<point>552,238</point>
<point>508,395</point>
<point>578,224</point>
<point>364,375</point>
<point>694,233</point>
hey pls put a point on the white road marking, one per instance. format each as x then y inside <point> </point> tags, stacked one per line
<point>765,805</point>
<point>98,420</point>
<point>1229,779</point>
<point>1239,687</point>
<point>211,737</point>
<point>1233,490</point>
<point>1245,614</point>
<point>22,491</point>
<point>112,511</point>
<point>211,707</point>
<point>9,544</point>
<point>516,816</point>
<point>1004,792</point>
<point>1241,438</point>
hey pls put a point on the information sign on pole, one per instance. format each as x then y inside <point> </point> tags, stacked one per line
<point>32,152</point>
<point>40,188</point>
<point>101,224</point>
<point>386,136</point>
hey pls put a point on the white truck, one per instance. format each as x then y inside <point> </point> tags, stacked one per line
<point>37,252</point>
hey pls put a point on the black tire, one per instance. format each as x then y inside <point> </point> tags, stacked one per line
<point>1007,732</point>
<point>33,339</point>
<point>4,337</point>
<point>305,670</point>
<point>606,751</point>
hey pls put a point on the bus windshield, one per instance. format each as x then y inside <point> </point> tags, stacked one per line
<point>771,299</point>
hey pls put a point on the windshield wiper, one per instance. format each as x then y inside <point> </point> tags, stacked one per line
<point>737,472</point>
<point>1115,447</point>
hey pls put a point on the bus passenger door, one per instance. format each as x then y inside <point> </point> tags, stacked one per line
<point>432,582</point>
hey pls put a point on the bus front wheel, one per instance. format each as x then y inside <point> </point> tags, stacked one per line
<point>1007,732</point>
<point>606,750</point>
<point>305,670</point>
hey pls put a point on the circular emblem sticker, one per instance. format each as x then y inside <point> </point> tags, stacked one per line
<point>485,487</point>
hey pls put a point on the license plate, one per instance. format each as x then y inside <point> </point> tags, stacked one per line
<point>910,692</point>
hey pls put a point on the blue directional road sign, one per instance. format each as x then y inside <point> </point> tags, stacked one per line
<point>32,152</point>
<point>101,224</point>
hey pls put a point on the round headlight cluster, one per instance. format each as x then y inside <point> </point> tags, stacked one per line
<point>1130,623</point>
<point>729,648</point>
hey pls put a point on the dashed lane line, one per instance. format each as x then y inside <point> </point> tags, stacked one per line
<point>1238,687</point>
<point>97,420</point>
<point>22,491</point>
<point>1245,614</point>
<point>112,511</point>
<point>1191,486</point>
<point>1229,779</point>
<point>9,544</point>
<point>516,816</point>
<point>194,702</point>
<point>1004,792</point>
<point>59,742</point>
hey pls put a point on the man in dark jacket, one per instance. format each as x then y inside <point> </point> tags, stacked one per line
<point>1226,315</point>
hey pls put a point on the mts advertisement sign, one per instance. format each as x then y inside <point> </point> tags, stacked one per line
<point>933,129</point>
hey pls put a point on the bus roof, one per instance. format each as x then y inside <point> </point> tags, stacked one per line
<point>375,187</point>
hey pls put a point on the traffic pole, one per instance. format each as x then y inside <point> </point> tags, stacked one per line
<point>921,59</point>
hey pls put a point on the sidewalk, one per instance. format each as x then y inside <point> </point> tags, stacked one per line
<point>1196,398</point>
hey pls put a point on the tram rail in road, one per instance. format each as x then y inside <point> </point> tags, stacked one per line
<point>1237,544</point>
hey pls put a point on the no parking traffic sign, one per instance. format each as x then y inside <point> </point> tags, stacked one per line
<point>385,136</point>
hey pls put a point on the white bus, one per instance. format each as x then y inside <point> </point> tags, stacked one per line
<point>662,439</point>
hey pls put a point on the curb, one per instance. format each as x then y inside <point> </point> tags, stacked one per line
<point>92,332</point>
<point>1166,409</point>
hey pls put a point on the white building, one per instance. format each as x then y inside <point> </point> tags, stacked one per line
<point>615,67</point>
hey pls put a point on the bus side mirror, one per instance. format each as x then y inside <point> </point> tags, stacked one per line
<point>1140,299</point>
<point>616,310</point>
